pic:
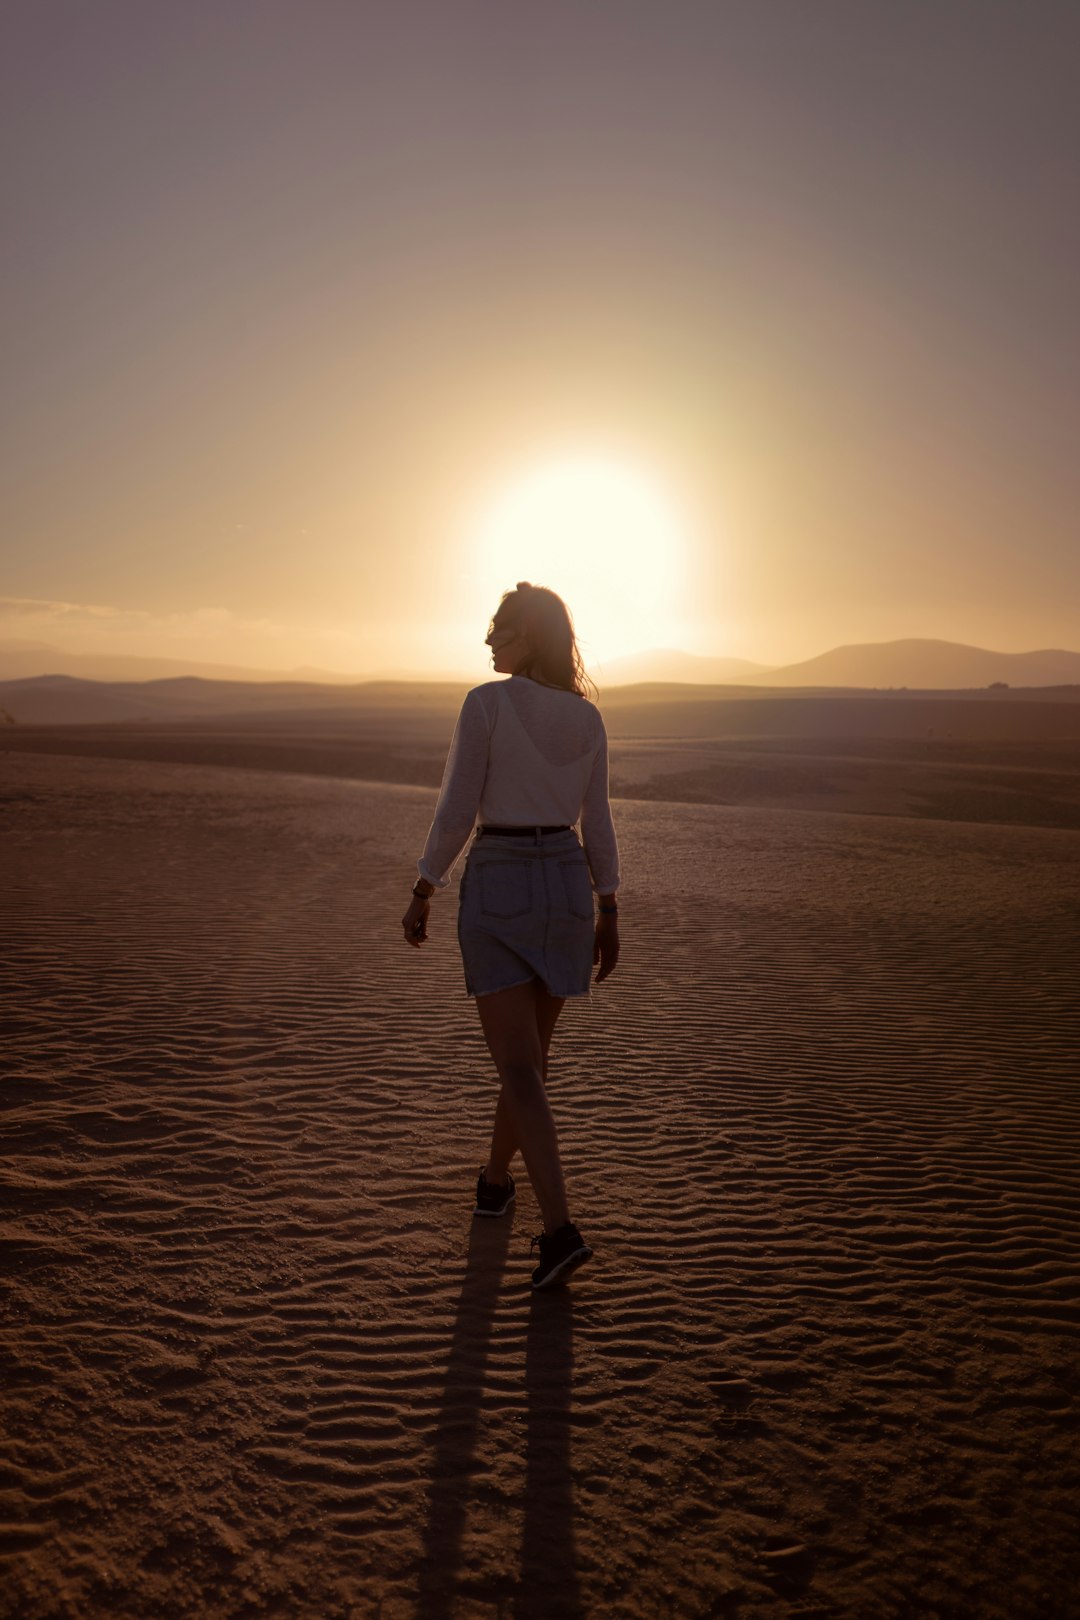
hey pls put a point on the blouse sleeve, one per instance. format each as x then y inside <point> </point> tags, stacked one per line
<point>459,796</point>
<point>597,827</point>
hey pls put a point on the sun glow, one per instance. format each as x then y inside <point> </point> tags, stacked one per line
<point>602,535</point>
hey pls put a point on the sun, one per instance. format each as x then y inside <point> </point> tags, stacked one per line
<point>604,535</point>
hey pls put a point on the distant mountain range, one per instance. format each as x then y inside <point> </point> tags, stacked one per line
<point>927,665</point>
<point>919,665</point>
<point>38,685</point>
<point>22,659</point>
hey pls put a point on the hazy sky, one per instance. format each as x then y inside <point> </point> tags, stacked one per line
<point>324,322</point>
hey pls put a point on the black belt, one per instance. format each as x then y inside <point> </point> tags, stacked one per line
<point>522,832</point>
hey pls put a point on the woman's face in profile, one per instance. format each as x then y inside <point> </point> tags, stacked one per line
<point>508,647</point>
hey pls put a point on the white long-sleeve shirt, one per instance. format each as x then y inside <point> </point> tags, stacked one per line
<point>525,755</point>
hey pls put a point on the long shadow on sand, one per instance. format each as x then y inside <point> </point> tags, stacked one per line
<point>547,1583</point>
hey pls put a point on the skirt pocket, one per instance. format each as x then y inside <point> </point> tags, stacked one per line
<point>505,888</point>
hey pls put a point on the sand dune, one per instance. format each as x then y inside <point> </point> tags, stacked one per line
<point>1014,763</point>
<point>821,1127</point>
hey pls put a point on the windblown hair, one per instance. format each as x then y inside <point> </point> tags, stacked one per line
<point>544,619</point>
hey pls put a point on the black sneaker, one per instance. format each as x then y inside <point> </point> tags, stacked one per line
<point>561,1252</point>
<point>493,1200</point>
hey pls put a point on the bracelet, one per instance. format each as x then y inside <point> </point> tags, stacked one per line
<point>419,893</point>
<point>608,911</point>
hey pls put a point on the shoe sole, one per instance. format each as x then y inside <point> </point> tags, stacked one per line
<point>496,1212</point>
<point>560,1272</point>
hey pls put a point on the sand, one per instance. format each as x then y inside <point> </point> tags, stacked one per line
<point>1000,764</point>
<point>822,1128</point>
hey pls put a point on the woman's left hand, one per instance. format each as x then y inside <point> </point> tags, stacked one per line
<point>605,945</point>
<point>414,921</point>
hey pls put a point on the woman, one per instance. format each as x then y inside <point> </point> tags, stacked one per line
<point>529,756</point>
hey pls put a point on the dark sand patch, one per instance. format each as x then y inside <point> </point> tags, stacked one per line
<point>1014,763</point>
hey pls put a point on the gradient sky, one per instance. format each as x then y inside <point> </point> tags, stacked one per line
<point>298,296</point>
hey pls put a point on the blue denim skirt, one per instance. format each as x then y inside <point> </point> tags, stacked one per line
<point>525,911</point>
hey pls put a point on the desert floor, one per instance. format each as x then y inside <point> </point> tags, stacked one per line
<point>822,1128</point>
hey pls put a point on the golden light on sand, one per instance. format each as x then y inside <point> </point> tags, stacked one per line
<point>601,533</point>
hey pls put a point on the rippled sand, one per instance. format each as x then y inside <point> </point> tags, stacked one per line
<point>822,1128</point>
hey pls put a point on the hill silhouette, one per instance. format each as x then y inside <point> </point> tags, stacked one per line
<point>917,664</point>
<point>927,665</point>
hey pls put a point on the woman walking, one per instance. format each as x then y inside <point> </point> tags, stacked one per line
<point>529,759</point>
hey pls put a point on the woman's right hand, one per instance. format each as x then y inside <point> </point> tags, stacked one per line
<point>606,944</point>
<point>415,921</point>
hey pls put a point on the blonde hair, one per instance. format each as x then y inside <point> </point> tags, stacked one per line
<point>544,620</point>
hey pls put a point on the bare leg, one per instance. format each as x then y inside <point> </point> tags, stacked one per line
<point>509,1022</point>
<point>504,1138</point>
